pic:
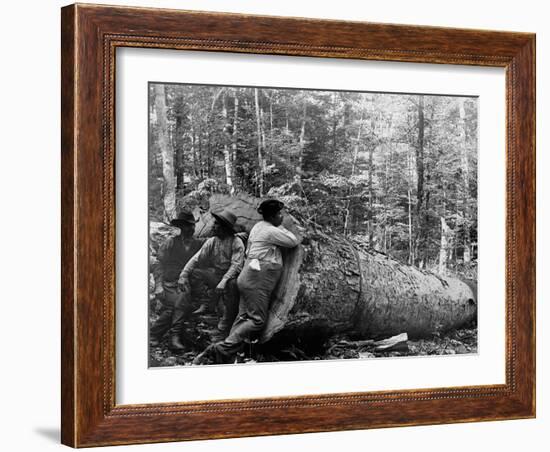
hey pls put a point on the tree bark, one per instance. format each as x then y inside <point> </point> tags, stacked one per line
<point>178,143</point>
<point>299,167</point>
<point>409,209</point>
<point>334,121</point>
<point>420,208</point>
<point>235,127</point>
<point>264,145</point>
<point>210,158</point>
<point>259,138</point>
<point>444,247</point>
<point>387,181</point>
<point>228,160</point>
<point>371,171</point>
<point>201,154</point>
<point>353,166</point>
<point>465,179</point>
<point>196,163</point>
<point>167,153</point>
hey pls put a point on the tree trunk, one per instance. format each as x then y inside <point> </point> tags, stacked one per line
<point>210,156</point>
<point>353,166</point>
<point>332,285</point>
<point>178,140</point>
<point>444,247</point>
<point>371,191</point>
<point>228,160</point>
<point>201,157</point>
<point>196,163</point>
<point>409,209</point>
<point>299,167</point>
<point>419,242</point>
<point>259,137</point>
<point>167,153</point>
<point>387,203</point>
<point>334,121</point>
<point>465,179</point>
<point>235,126</point>
<point>271,118</point>
<point>264,146</point>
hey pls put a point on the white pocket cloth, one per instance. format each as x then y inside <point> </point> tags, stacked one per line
<point>254,264</point>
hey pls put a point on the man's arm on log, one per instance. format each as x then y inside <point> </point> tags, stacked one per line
<point>281,236</point>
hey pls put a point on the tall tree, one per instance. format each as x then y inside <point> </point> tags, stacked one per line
<point>260,177</point>
<point>465,177</point>
<point>300,165</point>
<point>234,144</point>
<point>227,150</point>
<point>372,145</point>
<point>409,209</point>
<point>169,192</point>
<point>347,210</point>
<point>444,246</point>
<point>420,208</point>
<point>178,139</point>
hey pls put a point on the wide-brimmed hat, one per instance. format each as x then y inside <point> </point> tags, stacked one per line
<point>270,206</point>
<point>185,217</point>
<point>226,217</point>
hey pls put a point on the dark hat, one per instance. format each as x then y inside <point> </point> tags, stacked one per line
<point>270,206</point>
<point>226,217</point>
<point>184,217</point>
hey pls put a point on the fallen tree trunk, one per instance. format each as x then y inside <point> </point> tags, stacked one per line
<point>332,285</point>
<point>344,288</point>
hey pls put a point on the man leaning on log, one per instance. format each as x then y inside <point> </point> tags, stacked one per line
<point>216,265</point>
<point>258,279</point>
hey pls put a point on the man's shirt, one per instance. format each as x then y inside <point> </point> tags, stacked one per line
<point>225,256</point>
<point>265,239</point>
<point>174,254</point>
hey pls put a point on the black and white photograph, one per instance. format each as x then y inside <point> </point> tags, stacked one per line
<point>300,225</point>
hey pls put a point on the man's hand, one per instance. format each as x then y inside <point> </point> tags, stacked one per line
<point>220,288</point>
<point>184,285</point>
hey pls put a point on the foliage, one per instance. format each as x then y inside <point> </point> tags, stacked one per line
<point>385,168</point>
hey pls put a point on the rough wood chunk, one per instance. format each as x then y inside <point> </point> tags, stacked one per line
<point>393,344</point>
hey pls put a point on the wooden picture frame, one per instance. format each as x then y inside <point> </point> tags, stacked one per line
<point>90,36</point>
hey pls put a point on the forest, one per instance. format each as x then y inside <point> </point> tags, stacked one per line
<point>381,186</point>
<point>398,171</point>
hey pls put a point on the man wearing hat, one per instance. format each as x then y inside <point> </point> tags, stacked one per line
<point>172,256</point>
<point>261,272</point>
<point>217,265</point>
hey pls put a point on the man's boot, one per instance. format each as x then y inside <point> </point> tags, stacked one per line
<point>178,319</point>
<point>175,343</point>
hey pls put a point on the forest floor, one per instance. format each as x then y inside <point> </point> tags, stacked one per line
<point>201,331</point>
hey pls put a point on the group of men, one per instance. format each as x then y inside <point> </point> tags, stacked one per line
<point>242,278</point>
